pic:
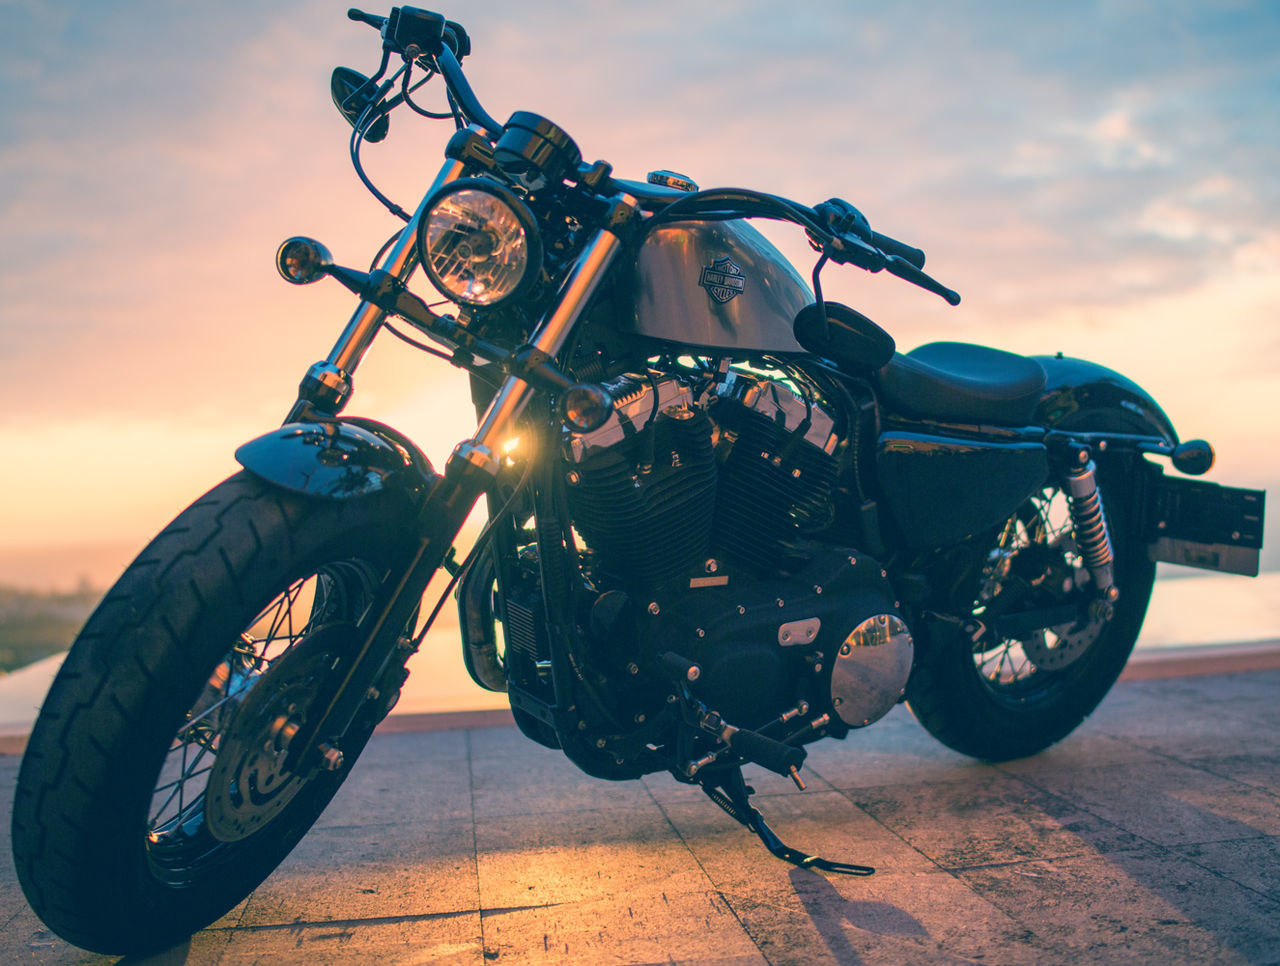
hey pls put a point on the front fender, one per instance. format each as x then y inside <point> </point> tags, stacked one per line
<point>339,459</point>
<point>1075,386</point>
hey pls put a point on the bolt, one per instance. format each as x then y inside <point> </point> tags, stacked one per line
<point>836,702</point>
<point>654,608</point>
<point>693,673</point>
<point>574,478</point>
<point>331,758</point>
<point>846,649</point>
<point>817,589</point>
<point>701,632</point>
<point>372,694</point>
<point>633,668</point>
<point>817,667</point>
<point>639,719</point>
<point>711,566</point>
<point>582,726</point>
<point>884,573</point>
<point>599,742</point>
<point>781,602</point>
<point>671,699</point>
<point>741,609</point>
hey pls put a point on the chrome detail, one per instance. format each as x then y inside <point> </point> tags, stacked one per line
<point>633,407</point>
<point>782,406</point>
<point>799,632</point>
<point>301,260</point>
<point>870,673</point>
<point>670,179</point>
<point>481,457</point>
<point>1088,521</point>
<point>329,385</point>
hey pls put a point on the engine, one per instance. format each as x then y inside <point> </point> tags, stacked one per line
<point>700,510</point>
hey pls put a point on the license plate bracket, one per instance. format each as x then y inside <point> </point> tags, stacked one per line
<point>1205,525</point>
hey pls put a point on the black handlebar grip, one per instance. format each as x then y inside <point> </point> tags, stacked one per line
<point>766,752</point>
<point>891,246</point>
<point>372,19</point>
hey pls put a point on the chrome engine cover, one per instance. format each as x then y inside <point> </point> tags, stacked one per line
<point>869,674</point>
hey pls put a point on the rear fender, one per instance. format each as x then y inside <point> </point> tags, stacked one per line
<point>339,459</point>
<point>1076,386</point>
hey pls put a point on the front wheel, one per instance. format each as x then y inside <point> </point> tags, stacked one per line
<point>1008,695</point>
<point>154,793</point>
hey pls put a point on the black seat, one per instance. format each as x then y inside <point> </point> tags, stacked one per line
<point>960,382</point>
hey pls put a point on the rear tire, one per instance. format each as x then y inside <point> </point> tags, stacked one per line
<point>1010,698</point>
<point>147,804</point>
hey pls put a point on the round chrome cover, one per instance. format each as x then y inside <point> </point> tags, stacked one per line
<point>870,671</point>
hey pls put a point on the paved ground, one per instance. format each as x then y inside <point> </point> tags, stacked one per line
<point>1152,835</point>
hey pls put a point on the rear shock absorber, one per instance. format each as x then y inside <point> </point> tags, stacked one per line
<point>1090,524</point>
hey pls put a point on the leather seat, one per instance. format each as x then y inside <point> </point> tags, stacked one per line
<point>961,382</point>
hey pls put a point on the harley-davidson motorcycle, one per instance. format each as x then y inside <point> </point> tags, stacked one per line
<point>726,518</point>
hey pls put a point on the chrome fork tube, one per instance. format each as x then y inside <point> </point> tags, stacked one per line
<point>328,383</point>
<point>550,337</point>
<point>400,262</point>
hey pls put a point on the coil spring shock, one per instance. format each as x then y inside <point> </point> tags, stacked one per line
<point>1090,525</point>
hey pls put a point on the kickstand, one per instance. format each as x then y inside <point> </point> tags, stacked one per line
<point>728,790</point>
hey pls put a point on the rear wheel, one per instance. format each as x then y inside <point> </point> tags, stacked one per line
<point>997,695</point>
<point>155,792</point>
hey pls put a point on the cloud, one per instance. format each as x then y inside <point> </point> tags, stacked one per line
<point>1071,169</point>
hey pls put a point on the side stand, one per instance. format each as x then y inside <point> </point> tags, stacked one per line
<point>727,789</point>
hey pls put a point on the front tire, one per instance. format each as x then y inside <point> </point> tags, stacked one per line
<point>148,802</point>
<point>1009,697</point>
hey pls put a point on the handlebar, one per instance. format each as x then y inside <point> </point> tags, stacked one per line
<point>835,227</point>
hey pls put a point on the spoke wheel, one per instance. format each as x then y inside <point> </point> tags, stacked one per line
<point>999,694</point>
<point>157,790</point>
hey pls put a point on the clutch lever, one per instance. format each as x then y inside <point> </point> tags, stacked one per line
<point>904,270</point>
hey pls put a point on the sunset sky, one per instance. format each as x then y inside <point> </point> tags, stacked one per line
<point>1096,178</point>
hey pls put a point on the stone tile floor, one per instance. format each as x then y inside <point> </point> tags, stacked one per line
<point>1151,835</point>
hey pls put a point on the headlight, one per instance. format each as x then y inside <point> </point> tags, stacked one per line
<point>478,242</point>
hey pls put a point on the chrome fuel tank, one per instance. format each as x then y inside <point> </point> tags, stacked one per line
<point>717,285</point>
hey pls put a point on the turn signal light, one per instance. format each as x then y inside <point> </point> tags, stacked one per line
<point>586,407</point>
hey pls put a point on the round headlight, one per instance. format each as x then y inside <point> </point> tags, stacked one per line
<point>478,242</point>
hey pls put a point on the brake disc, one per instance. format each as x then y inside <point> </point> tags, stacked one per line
<point>249,783</point>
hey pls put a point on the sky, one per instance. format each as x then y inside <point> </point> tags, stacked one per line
<point>1096,178</point>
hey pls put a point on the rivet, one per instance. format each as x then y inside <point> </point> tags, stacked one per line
<point>846,649</point>
<point>781,602</point>
<point>741,609</point>
<point>654,608</point>
<point>817,589</point>
<point>633,668</point>
<point>574,478</point>
<point>701,632</point>
<point>599,742</point>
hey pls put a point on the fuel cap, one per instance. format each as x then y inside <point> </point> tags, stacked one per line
<point>670,179</point>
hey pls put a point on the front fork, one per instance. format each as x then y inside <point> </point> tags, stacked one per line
<point>469,472</point>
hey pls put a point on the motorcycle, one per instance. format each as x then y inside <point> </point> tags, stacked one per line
<point>726,518</point>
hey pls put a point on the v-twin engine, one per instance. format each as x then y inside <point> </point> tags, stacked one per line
<point>700,511</point>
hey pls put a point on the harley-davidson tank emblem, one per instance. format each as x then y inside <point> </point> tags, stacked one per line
<point>723,279</point>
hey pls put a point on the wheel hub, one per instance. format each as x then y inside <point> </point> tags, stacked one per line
<point>250,783</point>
